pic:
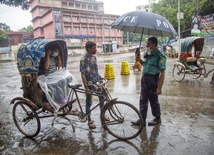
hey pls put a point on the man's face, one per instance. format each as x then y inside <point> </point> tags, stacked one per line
<point>93,49</point>
<point>150,45</point>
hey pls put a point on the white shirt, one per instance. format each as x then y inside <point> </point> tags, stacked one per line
<point>212,53</point>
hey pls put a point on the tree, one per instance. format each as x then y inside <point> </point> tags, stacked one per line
<point>5,27</point>
<point>24,4</point>
<point>29,28</point>
<point>169,9</point>
<point>4,30</point>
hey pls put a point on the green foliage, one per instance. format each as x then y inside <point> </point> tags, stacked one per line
<point>24,4</point>
<point>169,9</point>
<point>132,37</point>
<point>5,27</point>
<point>29,28</point>
<point>4,30</point>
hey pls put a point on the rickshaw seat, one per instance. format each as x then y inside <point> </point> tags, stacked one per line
<point>191,59</point>
<point>184,56</point>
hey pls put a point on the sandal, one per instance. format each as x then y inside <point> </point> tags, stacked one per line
<point>91,125</point>
<point>106,118</point>
<point>74,112</point>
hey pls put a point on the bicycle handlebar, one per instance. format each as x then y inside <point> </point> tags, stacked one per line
<point>102,82</point>
<point>98,87</point>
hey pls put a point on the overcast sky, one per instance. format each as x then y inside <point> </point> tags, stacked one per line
<point>17,18</point>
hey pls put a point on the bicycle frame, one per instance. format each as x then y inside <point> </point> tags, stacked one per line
<point>75,89</point>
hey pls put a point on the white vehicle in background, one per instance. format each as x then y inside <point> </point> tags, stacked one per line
<point>172,49</point>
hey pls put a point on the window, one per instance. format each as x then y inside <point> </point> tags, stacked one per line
<point>71,5</point>
<point>77,6</point>
<point>83,6</point>
<point>68,18</point>
<point>41,10</point>
<point>76,28</point>
<point>41,1</point>
<point>98,20</point>
<point>42,31</point>
<point>40,21</point>
<point>56,1</point>
<point>75,18</point>
<point>91,29</point>
<point>64,3</point>
<point>106,20</point>
<point>89,7</point>
<point>67,28</point>
<point>49,1</point>
<point>95,8</point>
<point>90,19</point>
<point>84,28</point>
<point>83,19</point>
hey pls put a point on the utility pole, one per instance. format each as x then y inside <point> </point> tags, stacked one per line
<point>128,38</point>
<point>179,29</point>
<point>196,9</point>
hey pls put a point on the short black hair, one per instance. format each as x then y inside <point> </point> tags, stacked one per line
<point>153,40</point>
<point>89,44</point>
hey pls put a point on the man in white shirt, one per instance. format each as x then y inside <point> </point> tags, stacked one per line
<point>212,57</point>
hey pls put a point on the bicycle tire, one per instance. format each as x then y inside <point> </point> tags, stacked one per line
<point>178,73</point>
<point>121,115</point>
<point>26,119</point>
<point>197,73</point>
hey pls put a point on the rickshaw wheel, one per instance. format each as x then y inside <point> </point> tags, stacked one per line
<point>178,72</point>
<point>26,119</point>
<point>196,74</point>
<point>121,114</point>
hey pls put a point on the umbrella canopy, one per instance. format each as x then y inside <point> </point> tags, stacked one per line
<point>146,23</point>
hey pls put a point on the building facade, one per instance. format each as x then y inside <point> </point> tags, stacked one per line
<point>19,37</point>
<point>146,8</point>
<point>75,21</point>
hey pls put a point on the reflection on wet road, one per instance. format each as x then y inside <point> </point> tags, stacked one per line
<point>187,117</point>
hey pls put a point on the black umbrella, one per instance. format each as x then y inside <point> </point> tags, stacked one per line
<point>145,23</point>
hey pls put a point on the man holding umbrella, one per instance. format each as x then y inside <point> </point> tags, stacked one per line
<point>152,80</point>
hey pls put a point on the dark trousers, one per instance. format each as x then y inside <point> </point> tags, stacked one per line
<point>89,102</point>
<point>148,93</point>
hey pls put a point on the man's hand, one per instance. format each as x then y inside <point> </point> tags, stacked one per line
<point>138,58</point>
<point>48,53</point>
<point>158,91</point>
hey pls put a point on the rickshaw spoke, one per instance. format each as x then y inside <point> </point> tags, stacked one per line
<point>26,119</point>
<point>178,72</point>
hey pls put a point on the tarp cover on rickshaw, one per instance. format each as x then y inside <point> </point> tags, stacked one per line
<point>191,47</point>
<point>55,87</point>
<point>30,54</point>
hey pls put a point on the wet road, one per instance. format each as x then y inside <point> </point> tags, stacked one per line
<point>187,117</point>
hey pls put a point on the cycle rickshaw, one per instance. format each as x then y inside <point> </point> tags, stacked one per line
<point>28,109</point>
<point>190,61</point>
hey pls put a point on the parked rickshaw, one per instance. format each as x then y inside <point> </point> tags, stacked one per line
<point>62,89</point>
<point>189,60</point>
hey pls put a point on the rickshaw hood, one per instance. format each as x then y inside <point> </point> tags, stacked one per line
<point>29,54</point>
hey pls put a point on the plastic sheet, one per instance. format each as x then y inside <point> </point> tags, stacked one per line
<point>55,87</point>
